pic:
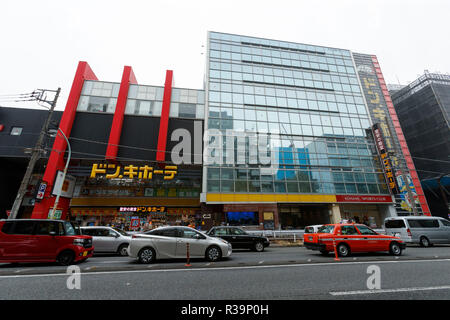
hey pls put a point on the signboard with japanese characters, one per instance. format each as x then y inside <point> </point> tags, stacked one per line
<point>114,171</point>
<point>386,162</point>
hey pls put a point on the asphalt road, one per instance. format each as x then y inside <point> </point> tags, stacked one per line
<point>279,273</point>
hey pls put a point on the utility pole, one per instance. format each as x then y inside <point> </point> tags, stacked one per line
<point>36,153</point>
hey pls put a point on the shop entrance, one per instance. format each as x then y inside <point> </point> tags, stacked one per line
<point>300,216</point>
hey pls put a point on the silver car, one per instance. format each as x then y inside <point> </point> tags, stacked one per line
<point>423,230</point>
<point>171,242</point>
<point>108,240</point>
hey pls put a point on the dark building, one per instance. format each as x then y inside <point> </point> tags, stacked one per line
<point>423,109</point>
<point>19,132</point>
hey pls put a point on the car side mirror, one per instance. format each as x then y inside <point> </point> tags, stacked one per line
<point>197,236</point>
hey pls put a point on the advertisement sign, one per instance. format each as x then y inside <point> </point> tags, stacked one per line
<point>385,160</point>
<point>57,216</point>
<point>41,191</point>
<point>135,223</point>
<point>66,187</point>
<point>405,201</point>
<point>365,199</point>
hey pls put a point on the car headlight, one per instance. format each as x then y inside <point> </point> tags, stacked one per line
<point>78,242</point>
<point>224,241</point>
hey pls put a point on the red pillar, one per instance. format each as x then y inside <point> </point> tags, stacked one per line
<point>164,122</point>
<point>128,78</point>
<point>56,160</point>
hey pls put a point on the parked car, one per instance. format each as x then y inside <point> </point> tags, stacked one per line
<point>348,238</point>
<point>313,228</point>
<point>171,242</point>
<point>35,240</point>
<point>425,231</point>
<point>239,239</point>
<point>108,240</point>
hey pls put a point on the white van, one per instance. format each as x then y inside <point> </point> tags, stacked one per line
<point>425,231</point>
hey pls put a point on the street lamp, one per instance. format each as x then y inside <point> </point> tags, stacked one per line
<point>54,133</point>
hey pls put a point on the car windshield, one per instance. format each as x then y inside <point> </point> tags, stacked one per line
<point>326,229</point>
<point>121,231</point>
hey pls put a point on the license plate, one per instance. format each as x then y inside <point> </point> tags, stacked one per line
<point>85,254</point>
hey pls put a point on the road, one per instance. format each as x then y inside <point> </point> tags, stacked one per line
<point>279,273</point>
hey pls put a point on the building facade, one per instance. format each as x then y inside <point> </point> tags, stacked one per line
<point>306,103</point>
<point>283,135</point>
<point>423,109</point>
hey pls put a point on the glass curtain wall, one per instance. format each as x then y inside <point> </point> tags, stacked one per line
<point>307,99</point>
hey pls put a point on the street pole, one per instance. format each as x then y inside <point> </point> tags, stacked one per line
<point>52,216</point>
<point>35,155</point>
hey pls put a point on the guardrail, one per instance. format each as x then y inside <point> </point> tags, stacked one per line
<point>289,235</point>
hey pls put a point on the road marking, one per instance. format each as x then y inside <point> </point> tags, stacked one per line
<point>346,293</point>
<point>260,262</point>
<point>20,270</point>
<point>225,268</point>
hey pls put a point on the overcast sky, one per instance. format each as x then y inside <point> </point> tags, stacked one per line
<point>42,41</point>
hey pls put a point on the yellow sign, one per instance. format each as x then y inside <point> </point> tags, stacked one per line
<point>268,215</point>
<point>112,171</point>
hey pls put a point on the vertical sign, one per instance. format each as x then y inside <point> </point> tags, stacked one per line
<point>387,165</point>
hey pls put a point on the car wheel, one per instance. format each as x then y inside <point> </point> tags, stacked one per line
<point>424,242</point>
<point>395,249</point>
<point>259,246</point>
<point>123,250</point>
<point>213,254</point>
<point>343,250</point>
<point>65,258</point>
<point>146,255</point>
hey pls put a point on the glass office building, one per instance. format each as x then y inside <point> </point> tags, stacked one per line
<point>289,135</point>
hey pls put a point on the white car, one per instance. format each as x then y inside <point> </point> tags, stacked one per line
<point>171,242</point>
<point>313,228</point>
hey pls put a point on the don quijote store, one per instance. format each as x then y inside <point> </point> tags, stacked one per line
<point>122,137</point>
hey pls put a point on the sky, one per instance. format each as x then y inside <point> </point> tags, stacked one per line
<point>42,41</point>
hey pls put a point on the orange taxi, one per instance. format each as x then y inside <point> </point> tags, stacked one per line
<point>349,237</point>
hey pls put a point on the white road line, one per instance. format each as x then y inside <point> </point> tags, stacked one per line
<point>227,268</point>
<point>363,292</point>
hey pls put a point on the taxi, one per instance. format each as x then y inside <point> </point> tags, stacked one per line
<point>349,238</point>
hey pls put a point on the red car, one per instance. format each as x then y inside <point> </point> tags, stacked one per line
<point>33,240</point>
<point>348,238</point>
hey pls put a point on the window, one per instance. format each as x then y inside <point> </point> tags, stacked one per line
<point>187,110</point>
<point>326,229</point>
<point>45,227</point>
<point>98,104</point>
<point>432,223</point>
<point>191,234</point>
<point>16,131</point>
<point>348,230</point>
<point>70,229</point>
<point>8,227</point>
<point>221,232</point>
<point>237,232</point>
<point>393,224</point>
<point>23,227</point>
<point>366,230</point>
<point>446,223</point>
